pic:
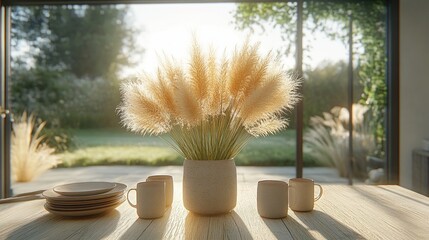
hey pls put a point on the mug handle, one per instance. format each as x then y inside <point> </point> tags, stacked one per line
<point>128,199</point>
<point>320,192</point>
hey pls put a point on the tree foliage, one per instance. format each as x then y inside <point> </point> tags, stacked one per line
<point>69,77</point>
<point>369,23</point>
<point>87,41</point>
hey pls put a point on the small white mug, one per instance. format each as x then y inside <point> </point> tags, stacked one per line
<point>272,199</point>
<point>150,199</point>
<point>301,194</point>
<point>168,186</point>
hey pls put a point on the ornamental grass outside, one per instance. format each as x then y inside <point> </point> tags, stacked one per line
<point>207,111</point>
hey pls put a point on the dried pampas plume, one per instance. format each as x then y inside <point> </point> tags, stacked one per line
<point>210,109</point>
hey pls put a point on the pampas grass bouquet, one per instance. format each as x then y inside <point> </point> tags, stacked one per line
<point>211,106</point>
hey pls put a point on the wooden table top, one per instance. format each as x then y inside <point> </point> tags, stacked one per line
<point>344,212</point>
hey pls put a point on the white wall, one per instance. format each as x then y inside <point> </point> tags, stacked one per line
<point>414,82</point>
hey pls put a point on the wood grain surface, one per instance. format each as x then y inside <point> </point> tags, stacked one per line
<point>343,212</point>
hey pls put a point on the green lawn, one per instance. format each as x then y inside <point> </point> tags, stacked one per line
<point>103,137</point>
<point>115,147</point>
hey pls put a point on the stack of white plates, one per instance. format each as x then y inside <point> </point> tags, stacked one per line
<point>84,198</point>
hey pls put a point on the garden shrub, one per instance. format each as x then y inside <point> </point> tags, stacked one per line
<point>29,155</point>
<point>64,100</point>
<point>328,139</point>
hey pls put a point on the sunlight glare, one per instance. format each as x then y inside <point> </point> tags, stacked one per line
<point>167,29</point>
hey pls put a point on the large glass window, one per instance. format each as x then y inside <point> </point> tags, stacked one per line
<point>68,61</point>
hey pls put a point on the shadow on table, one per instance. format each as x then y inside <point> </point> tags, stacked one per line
<point>280,230</point>
<point>90,227</point>
<point>404,196</point>
<point>226,226</point>
<point>379,201</point>
<point>317,221</point>
<point>147,228</point>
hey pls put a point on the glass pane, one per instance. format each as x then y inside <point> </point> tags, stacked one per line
<point>278,149</point>
<point>326,87</point>
<point>68,63</point>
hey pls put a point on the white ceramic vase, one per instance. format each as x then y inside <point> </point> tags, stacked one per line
<point>209,186</point>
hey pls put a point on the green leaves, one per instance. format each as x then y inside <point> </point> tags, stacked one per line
<point>87,41</point>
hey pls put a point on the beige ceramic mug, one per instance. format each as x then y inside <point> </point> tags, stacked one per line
<point>168,186</point>
<point>272,198</point>
<point>150,199</point>
<point>301,194</point>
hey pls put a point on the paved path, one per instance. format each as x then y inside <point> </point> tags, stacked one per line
<point>132,174</point>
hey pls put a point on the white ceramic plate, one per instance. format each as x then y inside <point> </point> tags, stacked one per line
<point>83,207</point>
<point>84,212</point>
<point>84,202</point>
<point>51,195</point>
<point>84,188</point>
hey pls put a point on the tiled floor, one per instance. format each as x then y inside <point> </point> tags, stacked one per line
<point>130,175</point>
